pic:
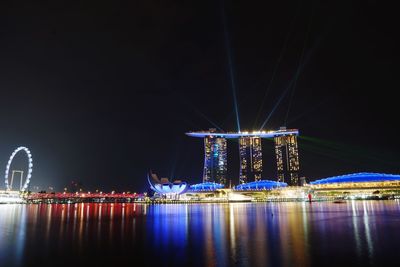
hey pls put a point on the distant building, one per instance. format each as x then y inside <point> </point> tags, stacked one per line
<point>250,153</point>
<point>207,186</point>
<point>260,185</point>
<point>358,180</point>
<point>287,159</point>
<point>303,181</point>
<point>215,162</point>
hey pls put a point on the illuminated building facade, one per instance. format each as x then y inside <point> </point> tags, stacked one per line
<point>207,186</point>
<point>362,185</point>
<point>260,185</point>
<point>215,162</point>
<point>287,159</point>
<point>358,180</point>
<point>250,154</point>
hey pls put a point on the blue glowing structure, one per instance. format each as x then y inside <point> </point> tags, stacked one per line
<point>260,185</point>
<point>358,178</point>
<point>165,187</point>
<point>207,186</point>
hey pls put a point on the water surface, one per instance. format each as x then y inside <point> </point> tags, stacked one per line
<point>356,233</point>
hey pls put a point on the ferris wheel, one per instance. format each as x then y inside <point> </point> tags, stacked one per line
<point>23,186</point>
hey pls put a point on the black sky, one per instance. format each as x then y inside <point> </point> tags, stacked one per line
<point>102,91</point>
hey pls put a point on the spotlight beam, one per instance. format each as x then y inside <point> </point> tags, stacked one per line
<point>294,79</point>
<point>198,112</point>
<point>283,50</point>
<point>230,64</point>
<point>300,62</point>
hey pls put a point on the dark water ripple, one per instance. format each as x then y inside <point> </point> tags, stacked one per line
<point>358,233</point>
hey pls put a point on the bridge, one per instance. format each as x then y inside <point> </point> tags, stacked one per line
<point>66,197</point>
<point>21,194</point>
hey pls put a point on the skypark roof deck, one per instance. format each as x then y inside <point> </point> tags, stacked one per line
<point>232,135</point>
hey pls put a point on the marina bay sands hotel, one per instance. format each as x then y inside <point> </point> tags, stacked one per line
<point>250,153</point>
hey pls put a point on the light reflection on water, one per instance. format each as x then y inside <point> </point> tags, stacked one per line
<point>357,233</point>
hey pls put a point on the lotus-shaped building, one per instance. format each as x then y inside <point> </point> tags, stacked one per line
<point>164,187</point>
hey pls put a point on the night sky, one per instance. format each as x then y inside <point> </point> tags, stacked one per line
<point>103,91</point>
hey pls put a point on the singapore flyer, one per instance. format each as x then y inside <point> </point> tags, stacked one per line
<point>30,166</point>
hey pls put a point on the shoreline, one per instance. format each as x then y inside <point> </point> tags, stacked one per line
<point>156,202</point>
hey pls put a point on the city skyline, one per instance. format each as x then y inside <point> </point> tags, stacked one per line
<point>250,156</point>
<point>100,99</point>
<point>199,133</point>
